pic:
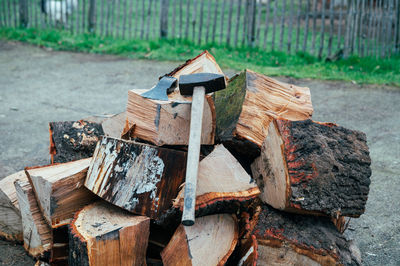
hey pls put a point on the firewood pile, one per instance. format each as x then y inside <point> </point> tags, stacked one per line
<point>274,187</point>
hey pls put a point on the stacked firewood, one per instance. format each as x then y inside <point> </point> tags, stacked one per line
<point>274,187</point>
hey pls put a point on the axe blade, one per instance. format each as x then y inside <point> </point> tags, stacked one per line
<point>160,92</point>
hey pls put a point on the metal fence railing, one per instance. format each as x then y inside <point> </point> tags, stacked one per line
<point>319,27</point>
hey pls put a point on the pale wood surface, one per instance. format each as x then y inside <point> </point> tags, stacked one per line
<point>10,215</point>
<point>111,236</point>
<point>210,241</point>
<point>60,191</point>
<point>36,232</point>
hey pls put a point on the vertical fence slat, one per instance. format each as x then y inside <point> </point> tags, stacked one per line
<point>23,13</point>
<point>201,22</point>
<point>156,23</point>
<point>267,9</point>
<point>101,17</point>
<point>331,25</point>
<point>274,25</point>
<point>245,20</point>
<point>237,22</point>
<point>143,18</point>
<point>252,21</point>
<point>314,26</point>
<point>298,24</point>
<point>117,17</point>
<point>258,6</point>
<point>307,23</point>
<point>4,15</point>
<point>397,28</point>
<point>282,25</point>
<point>130,18</point>
<point>187,19</point>
<point>164,18</point>
<point>124,15</point>
<point>208,19</point>
<point>374,28</point>
<point>322,37</point>
<point>339,37</point>
<point>173,18</point>
<point>222,21</point>
<point>194,20</point>
<point>290,28</point>
<point>379,29</point>
<point>214,29</point>
<point>228,31</point>
<point>348,27</point>
<point>83,15</point>
<point>148,17</point>
<point>390,27</point>
<point>92,15</point>
<point>180,18</point>
<point>9,13</point>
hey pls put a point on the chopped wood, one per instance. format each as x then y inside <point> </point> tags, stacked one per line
<point>102,234</point>
<point>247,106</point>
<point>222,184</point>
<point>137,177</point>
<point>59,190</point>
<point>314,168</point>
<point>37,233</point>
<point>168,122</point>
<point>210,241</point>
<point>113,126</point>
<point>10,215</point>
<point>280,238</point>
<point>73,140</point>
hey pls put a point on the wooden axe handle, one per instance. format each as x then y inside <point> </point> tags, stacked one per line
<point>192,165</point>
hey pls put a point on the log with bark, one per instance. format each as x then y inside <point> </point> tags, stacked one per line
<point>73,140</point>
<point>247,106</point>
<point>137,177</point>
<point>36,232</point>
<point>222,185</point>
<point>167,122</point>
<point>10,215</point>
<point>210,241</point>
<point>279,238</point>
<point>314,168</point>
<point>60,191</point>
<point>102,234</point>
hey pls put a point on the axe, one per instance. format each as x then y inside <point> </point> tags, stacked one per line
<point>164,86</point>
<point>197,85</point>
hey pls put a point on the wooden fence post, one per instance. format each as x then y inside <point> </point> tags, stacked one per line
<point>92,15</point>
<point>23,13</point>
<point>164,18</point>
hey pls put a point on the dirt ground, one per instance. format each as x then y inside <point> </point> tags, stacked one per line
<point>38,86</point>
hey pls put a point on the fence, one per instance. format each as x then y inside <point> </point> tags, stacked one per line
<point>319,27</point>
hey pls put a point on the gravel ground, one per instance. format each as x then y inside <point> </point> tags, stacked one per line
<point>38,86</point>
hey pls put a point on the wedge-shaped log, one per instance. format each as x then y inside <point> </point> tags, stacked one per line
<point>168,122</point>
<point>279,238</point>
<point>73,140</point>
<point>37,233</point>
<point>247,106</point>
<point>222,184</point>
<point>102,234</point>
<point>315,168</point>
<point>10,215</point>
<point>137,177</point>
<point>60,191</point>
<point>210,241</point>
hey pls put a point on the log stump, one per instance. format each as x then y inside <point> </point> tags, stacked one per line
<point>102,234</point>
<point>314,168</point>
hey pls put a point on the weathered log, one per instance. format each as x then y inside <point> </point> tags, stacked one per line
<point>247,106</point>
<point>222,185</point>
<point>59,190</point>
<point>73,140</point>
<point>168,122</point>
<point>37,233</point>
<point>10,215</point>
<point>137,177</point>
<point>210,241</point>
<point>314,168</point>
<point>102,234</point>
<point>280,238</point>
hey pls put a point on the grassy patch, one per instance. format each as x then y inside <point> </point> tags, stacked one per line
<point>300,65</point>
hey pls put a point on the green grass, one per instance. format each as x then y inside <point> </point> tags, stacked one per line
<point>300,65</point>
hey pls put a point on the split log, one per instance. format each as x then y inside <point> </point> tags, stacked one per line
<point>247,106</point>
<point>137,177</point>
<point>102,234</point>
<point>168,122</point>
<point>280,238</point>
<point>37,233</point>
<point>210,241</point>
<point>314,168</point>
<point>222,185</point>
<point>10,215</point>
<point>59,190</point>
<point>73,140</point>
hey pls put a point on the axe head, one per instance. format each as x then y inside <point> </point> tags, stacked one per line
<point>160,92</point>
<point>210,81</point>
